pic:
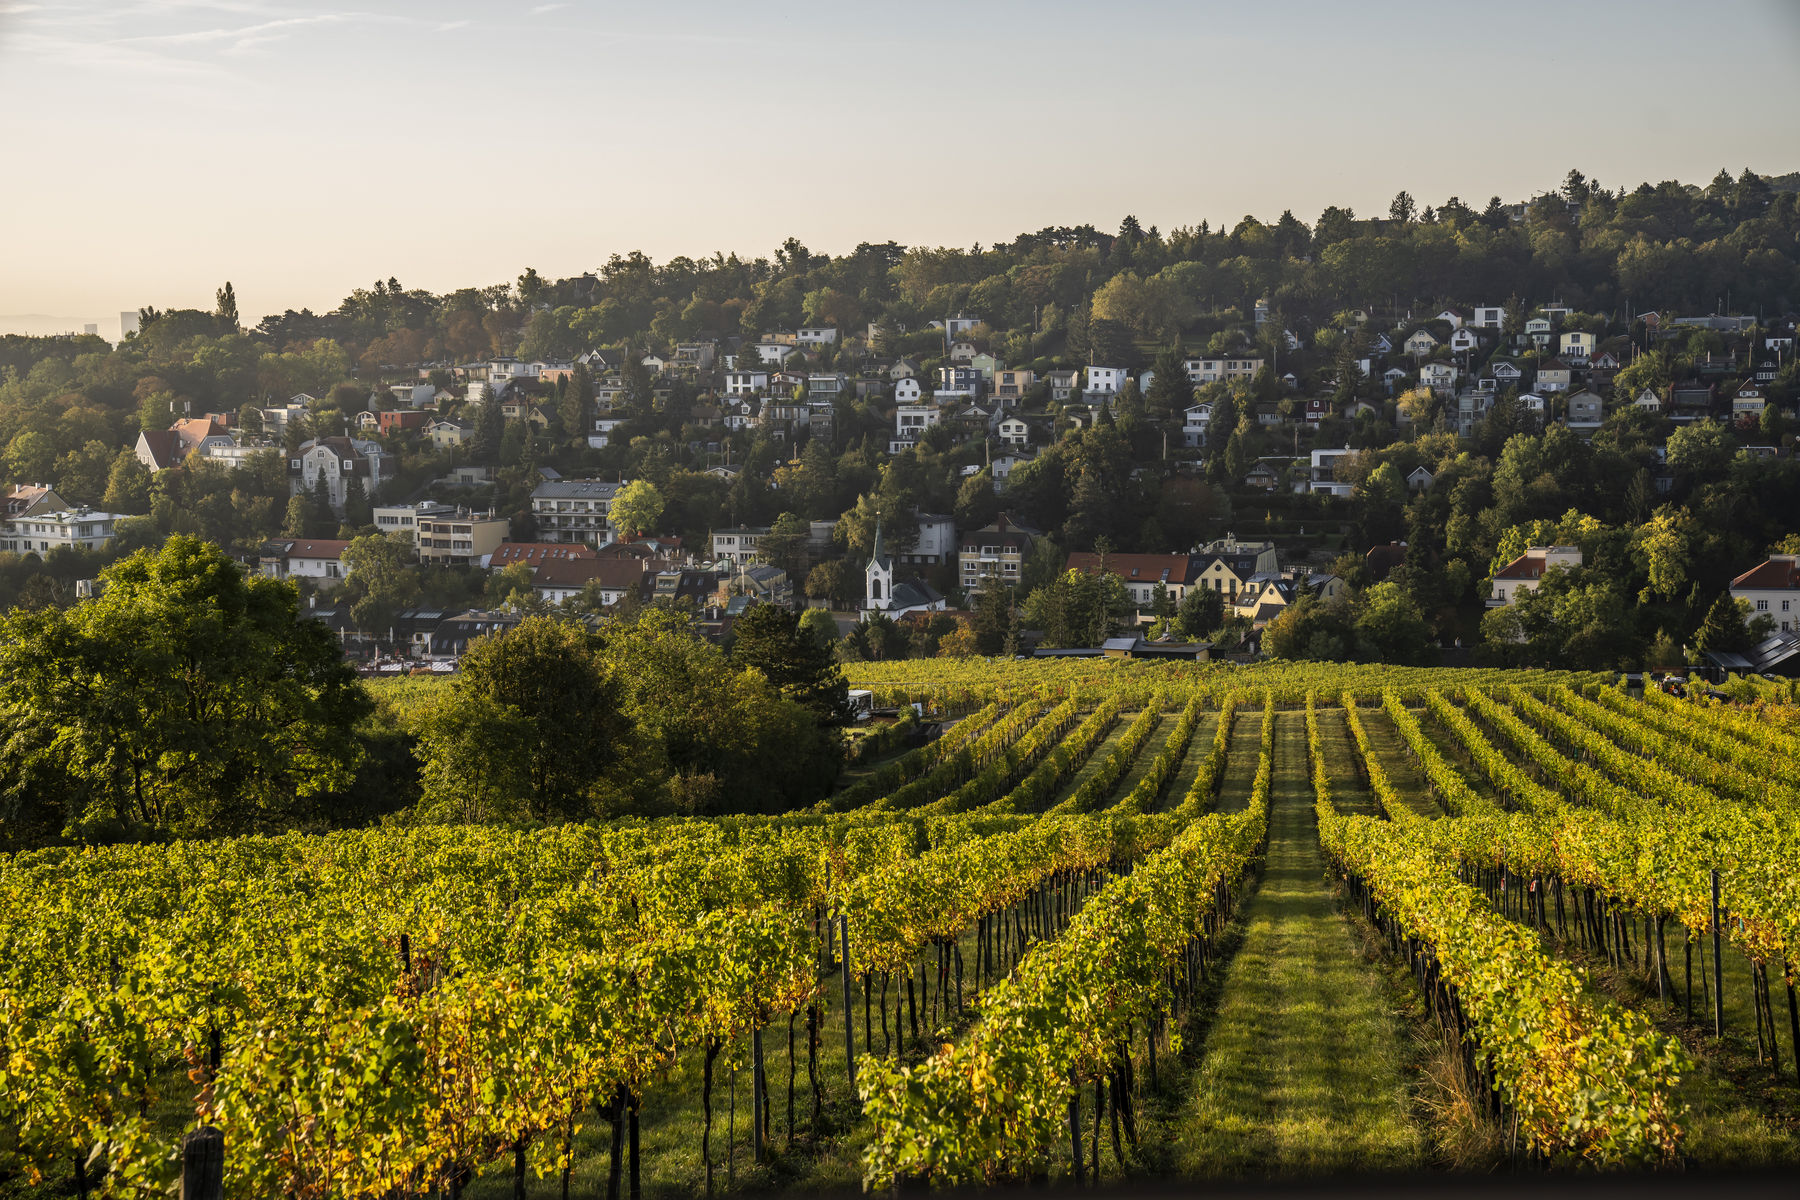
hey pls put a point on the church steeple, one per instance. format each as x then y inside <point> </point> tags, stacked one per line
<point>878,576</point>
<point>878,555</point>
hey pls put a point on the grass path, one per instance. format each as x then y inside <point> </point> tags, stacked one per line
<point>1199,747</point>
<point>1349,790</point>
<point>1100,753</point>
<point>1240,761</point>
<point>1304,1068</point>
<point>1397,761</point>
<point>1146,757</point>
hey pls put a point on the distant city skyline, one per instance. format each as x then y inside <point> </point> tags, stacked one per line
<point>160,147</point>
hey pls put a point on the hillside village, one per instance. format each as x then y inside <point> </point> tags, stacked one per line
<point>1346,480</point>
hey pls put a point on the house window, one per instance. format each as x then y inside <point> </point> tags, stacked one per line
<point>1762,606</point>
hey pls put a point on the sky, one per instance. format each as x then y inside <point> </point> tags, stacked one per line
<point>157,148</point>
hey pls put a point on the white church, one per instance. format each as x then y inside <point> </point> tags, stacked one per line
<point>895,597</point>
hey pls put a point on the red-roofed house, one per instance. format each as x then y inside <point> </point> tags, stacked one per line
<point>560,579</point>
<point>1142,572</point>
<point>195,430</point>
<point>159,449</point>
<point>318,559</point>
<point>29,498</point>
<point>1772,589</point>
<point>1520,576</point>
<point>536,554</point>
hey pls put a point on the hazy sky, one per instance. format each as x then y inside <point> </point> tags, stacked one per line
<point>158,147</point>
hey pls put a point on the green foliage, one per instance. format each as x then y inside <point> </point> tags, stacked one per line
<point>636,508</point>
<point>187,698</point>
<point>1202,610</point>
<point>1079,608</point>
<point>1724,629</point>
<point>558,699</point>
<point>771,639</point>
<point>381,583</point>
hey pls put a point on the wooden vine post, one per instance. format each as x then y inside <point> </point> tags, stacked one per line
<point>203,1164</point>
<point>1718,964</point>
<point>757,1099</point>
<point>849,1025</point>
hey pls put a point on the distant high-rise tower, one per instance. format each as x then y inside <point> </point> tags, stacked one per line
<point>91,330</point>
<point>128,324</point>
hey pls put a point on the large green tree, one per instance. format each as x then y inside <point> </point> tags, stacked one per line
<point>770,638</point>
<point>187,698</point>
<point>381,582</point>
<point>559,697</point>
<point>637,508</point>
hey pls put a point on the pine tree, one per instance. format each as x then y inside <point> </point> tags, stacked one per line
<point>577,407</point>
<point>1235,467</point>
<point>1170,392</point>
<point>1724,630</point>
<point>358,512</point>
<point>490,428</point>
<point>320,520</point>
<point>299,510</point>
<point>227,310</point>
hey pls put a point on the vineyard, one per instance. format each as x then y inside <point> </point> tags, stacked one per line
<point>1114,922</point>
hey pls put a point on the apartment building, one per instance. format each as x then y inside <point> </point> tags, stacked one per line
<point>994,553</point>
<point>460,537</point>
<point>574,510</point>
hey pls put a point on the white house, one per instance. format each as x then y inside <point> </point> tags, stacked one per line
<point>1772,589</point>
<point>1523,574</point>
<point>773,353</point>
<point>1577,346</point>
<point>1420,343</point>
<point>816,335</point>
<point>336,461</point>
<point>750,382</point>
<point>1215,370</point>
<point>1489,317</point>
<point>1195,421</point>
<point>1453,317</point>
<point>42,531</point>
<point>404,518</point>
<point>1440,377</point>
<point>601,435</point>
<point>574,510</point>
<point>1464,340</point>
<point>908,391</point>
<point>738,545</point>
<point>1323,478</point>
<point>502,371</point>
<point>318,559</point>
<point>1103,382</point>
<point>911,420</point>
